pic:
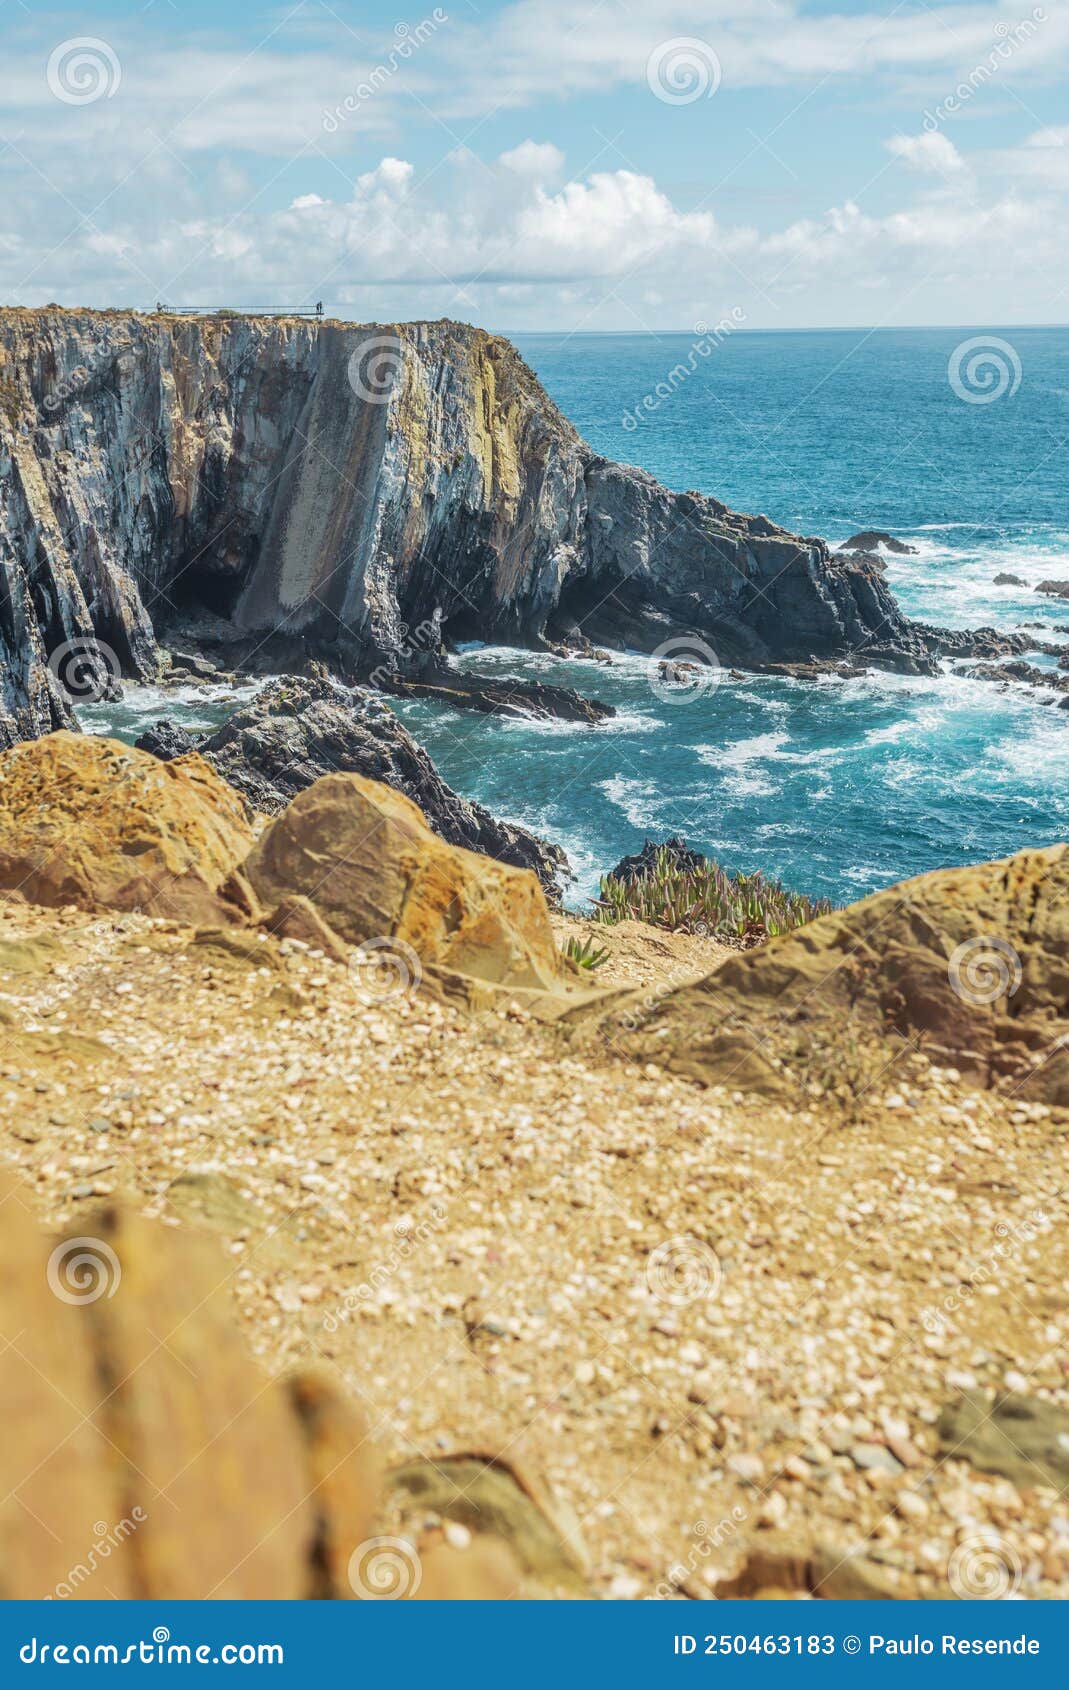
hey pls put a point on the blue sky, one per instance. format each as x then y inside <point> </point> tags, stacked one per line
<point>542,164</point>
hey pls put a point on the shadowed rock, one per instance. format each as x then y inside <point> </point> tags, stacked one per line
<point>971,964</point>
<point>298,729</point>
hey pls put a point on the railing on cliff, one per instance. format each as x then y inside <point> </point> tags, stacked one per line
<point>231,311</point>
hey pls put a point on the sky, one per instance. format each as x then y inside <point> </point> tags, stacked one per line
<point>576,165</point>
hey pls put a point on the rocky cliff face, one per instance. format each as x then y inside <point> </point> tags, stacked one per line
<point>366,492</point>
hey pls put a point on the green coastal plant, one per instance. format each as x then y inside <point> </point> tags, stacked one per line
<point>586,954</point>
<point>743,909</point>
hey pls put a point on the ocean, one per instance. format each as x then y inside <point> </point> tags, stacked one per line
<point>838,787</point>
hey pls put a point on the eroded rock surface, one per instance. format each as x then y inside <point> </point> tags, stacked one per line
<point>970,964</point>
<point>154,466</point>
<point>92,822</point>
<point>374,872</point>
<point>296,730</point>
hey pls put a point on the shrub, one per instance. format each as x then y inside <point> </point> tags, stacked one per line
<point>742,909</point>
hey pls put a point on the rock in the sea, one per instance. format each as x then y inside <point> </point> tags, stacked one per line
<point>167,740</point>
<point>969,964</point>
<point>870,540</point>
<point>1004,580</point>
<point>644,861</point>
<point>1054,589</point>
<point>1024,1438</point>
<point>92,822</point>
<point>364,857</point>
<point>506,696</point>
<point>298,729</point>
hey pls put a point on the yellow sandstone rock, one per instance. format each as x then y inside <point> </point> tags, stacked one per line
<point>92,822</point>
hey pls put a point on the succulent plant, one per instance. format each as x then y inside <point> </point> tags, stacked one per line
<point>741,909</point>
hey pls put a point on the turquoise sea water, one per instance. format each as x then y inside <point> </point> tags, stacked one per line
<point>838,787</point>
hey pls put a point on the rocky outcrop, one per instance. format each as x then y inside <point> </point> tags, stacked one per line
<point>92,822</point>
<point>127,1402</point>
<point>377,877</point>
<point>370,493</point>
<point>1054,589</point>
<point>871,539</point>
<point>969,965</point>
<point>296,730</point>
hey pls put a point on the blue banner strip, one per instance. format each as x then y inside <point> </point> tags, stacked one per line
<point>644,1644</point>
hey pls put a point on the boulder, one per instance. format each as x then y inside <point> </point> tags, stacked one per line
<point>299,728</point>
<point>92,822</point>
<point>1004,580</point>
<point>1054,589</point>
<point>365,858</point>
<point>144,1453</point>
<point>167,740</point>
<point>1023,1438</point>
<point>871,538</point>
<point>971,965</point>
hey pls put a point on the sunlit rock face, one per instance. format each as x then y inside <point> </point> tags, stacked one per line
<point>365,492</point>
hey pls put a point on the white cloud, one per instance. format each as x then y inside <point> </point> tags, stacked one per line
<point>540,160</point>
<point>932,153</point>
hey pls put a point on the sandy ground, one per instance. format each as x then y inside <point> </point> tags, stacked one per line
<point>713,1324</point>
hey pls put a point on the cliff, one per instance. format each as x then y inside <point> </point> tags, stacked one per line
<point>366,493</point>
